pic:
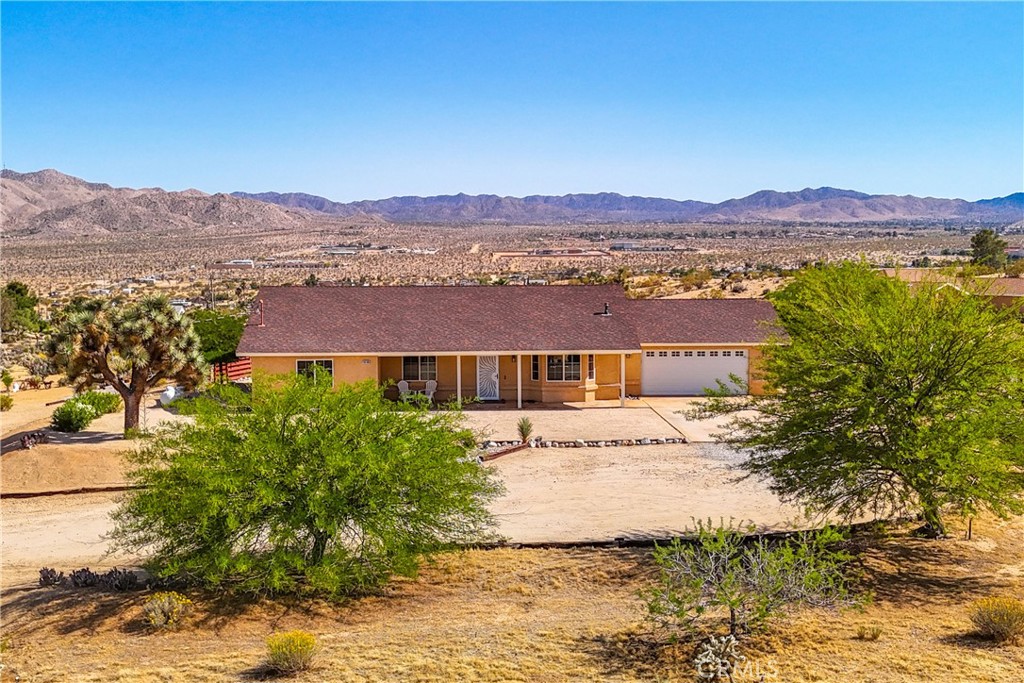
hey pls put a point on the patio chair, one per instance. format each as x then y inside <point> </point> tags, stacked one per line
<point>429,390</point>
<point>403,390</point>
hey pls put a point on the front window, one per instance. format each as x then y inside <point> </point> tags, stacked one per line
<point>590,367</point>
<point>535,368</point>
<point>310,368</point>
<point>419,368</point>
<point>564,368</point>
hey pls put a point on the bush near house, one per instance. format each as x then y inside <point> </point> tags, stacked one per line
<point>73,416</point>
<point>303,489</point>
<point>102,402</point>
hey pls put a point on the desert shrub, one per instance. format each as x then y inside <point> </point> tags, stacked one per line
<point>102,402</point>
<point>302,488</point>
<point>292,651</point>
<point>73,416</point>
<point>872,632</point>
<point>50,577</point>
<point>749,581</point>
<point>84,578</point>
<point>525,428</point>
<point>1001,619</point>
<point>6,402</point>
<point>166,610</point>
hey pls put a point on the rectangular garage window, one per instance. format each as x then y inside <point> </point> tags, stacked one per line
<point>675,354</point>
<point>739,353</point>
<point>649,354</point>
<point>727,353</point>
<point>713,354</point>
<point>688,354</point>
<point>701,354</point>
<point>662,354</point>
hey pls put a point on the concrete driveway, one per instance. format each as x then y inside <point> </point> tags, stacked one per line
<point>653,417</point>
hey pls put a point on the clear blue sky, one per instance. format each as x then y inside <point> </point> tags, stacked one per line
<point>362,101</point>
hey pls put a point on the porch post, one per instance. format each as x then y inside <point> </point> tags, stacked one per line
<point>519,380</point>
<point>458,378</point>
<point>622,380</point>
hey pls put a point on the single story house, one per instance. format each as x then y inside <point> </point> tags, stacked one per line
<point>1001,291</point>
<point>539,344</point>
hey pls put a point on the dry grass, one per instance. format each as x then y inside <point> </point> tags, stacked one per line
<point>538,615</point>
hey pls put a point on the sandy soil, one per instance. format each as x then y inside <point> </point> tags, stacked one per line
<point>570,421</point>
<point>537,616</point>
<point>84,459</point>
<point>563,494</point>
<point>30,409</point>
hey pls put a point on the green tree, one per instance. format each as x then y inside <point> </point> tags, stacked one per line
<point>988,249</point>
<point>132,348</point>
<point>18,310</point>
<point>219,334</point>
<point>888,399</point>
<point>298,487</point>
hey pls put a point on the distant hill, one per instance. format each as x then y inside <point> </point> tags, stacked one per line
<point>50,203</point>
<point>824,204</point>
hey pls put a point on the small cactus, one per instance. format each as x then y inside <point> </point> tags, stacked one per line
<point>84,578</point>
<point>50,577</point>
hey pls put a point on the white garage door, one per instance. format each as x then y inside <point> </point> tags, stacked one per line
<point>687,373</point>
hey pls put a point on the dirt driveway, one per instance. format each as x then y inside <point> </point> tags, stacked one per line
<point>553,494</point>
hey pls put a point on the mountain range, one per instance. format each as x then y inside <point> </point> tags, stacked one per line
<point>54,204</point>
<point>825,204</point>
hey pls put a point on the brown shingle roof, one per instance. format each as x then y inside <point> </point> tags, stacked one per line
<point>439,319</point>
<point>702,321</point>
<point>407,320</point>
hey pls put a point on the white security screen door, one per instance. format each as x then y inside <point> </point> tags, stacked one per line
<point>487,378</point>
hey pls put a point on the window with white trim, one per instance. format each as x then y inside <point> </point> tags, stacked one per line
<point>675,354</point>
<point>564,368</point>
<point>649,354</point>
<point>701,354</point>
<point>740,353</point>
<point>310,368</point>
<point>535,368</point>
<point>419,368</point>
<point>662,354</point>
<point>713,353</point>
<point>591,369</point>
<point>726,353</point>
<point>688,354</point>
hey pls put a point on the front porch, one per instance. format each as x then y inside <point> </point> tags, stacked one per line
<point>516,379</point>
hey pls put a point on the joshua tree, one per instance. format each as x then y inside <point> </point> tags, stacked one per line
<point>131,348</point>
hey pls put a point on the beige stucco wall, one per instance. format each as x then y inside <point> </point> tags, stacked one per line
<point>349,369</point>
<point>603,387</point>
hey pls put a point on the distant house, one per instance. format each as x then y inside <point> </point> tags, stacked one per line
<point>1015,254</point>
<point>542,344</point>
<point>1002,291</point>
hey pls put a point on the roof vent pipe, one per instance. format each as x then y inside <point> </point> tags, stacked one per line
<point>606,312</point>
